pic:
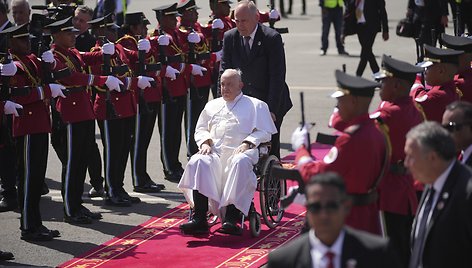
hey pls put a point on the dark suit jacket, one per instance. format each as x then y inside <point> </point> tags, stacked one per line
<point>366,249</point>
<point>375,16</point>
<point>448,240</point>
<point>263,72</point>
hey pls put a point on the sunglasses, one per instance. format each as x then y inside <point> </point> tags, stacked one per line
<point>328,207</point>
<point>453,126</point>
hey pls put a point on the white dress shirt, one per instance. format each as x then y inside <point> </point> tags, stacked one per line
<point>318,250</point>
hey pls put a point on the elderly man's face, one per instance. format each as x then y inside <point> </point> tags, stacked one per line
<point>80,21</point>
<point>230,86</point>
<point>246,21</point>
<point>326,210</point>
<point>418,161</point>
<point>21,13</point>
<point>459,127</point>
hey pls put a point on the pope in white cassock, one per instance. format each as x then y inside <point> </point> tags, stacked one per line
<point>220,176</point>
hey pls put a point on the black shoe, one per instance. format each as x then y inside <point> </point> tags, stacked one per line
<point>90,214</point>
<point>44,189</point>
<point>149,187</point>
<point>8,204</point>
<point>37,235</point>
<point>343,53</point>
<point>117,201</point>
<point>96,192</point>
<point>195,226</point>
<point>6,256</point>
<point>54,233</point>
<point>78,218</point>
<point>173,176</point>
<point>133,199</point>
<point>230,228</point>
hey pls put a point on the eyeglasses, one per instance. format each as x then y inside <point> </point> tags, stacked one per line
<point>453,126</point>
<point>328,207</point>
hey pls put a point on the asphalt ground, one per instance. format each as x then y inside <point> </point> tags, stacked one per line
<point>306,72</point>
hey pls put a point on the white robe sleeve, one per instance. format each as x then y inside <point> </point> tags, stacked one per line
<point>263,124</point>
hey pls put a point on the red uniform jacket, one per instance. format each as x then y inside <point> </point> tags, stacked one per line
<point>77,106</point>
<point>202,47</point>
<point>35,117</point>
<point>397,192</point>
<point>357,156</point>
<point>179,86</point>
<point>435,100</point>
<point>124,102</point>
<point>153,94</point>
<point>464,83</point>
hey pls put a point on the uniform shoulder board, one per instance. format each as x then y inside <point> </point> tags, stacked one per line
<point>352,129</point>
<point>126,37</point>
<point>182,29</point>
<point>422,98</point>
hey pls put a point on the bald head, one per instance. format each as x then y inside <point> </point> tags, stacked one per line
<point>231,84</point>
<point>246,16</point>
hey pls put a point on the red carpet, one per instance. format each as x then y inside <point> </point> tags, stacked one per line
<point>159,243</point>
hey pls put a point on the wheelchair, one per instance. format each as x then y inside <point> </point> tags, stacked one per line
<point>270,191</point>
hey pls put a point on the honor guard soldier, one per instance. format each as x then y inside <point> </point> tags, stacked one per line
<point>135,27</point>
<point>30,131</point>
<point>197,50</point>
<point>116,124</point>
<point>464,76</point>
<point>360,138</point>
<point>441,67</point>
<point>174,90</point>
<point>76,111</point>
<point>396,115</point>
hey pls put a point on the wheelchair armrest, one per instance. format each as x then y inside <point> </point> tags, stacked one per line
<point>264,149</point>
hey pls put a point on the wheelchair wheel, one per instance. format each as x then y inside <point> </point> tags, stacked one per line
<point>271,190</point>
<point>255,224</point>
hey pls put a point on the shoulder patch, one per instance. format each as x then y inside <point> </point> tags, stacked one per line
<point>331,156</point>
<point>374,115</point>
<point>422,98</point>
<point>352,129</point>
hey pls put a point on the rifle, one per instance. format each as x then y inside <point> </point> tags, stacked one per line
<point>6,58</point>
<point>302,123</point>
<point>143,68</point>
<point>458,31</point>
<point>107,70</point>
<point>165,60</point>
<point>192,58</point>
<point>272,21</point>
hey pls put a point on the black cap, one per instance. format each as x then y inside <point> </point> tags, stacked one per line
<point>353,85</point>
<point>18,31</point>
<point>434,55</point>
<point>104,22</point>
<point>167,10</point>
<point>64,25</point>
<point>457,42</point>
<point>397,68</point>
<point>187,5</point>
<point>136,19</point>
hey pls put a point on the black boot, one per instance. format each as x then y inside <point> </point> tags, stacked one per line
<point>198,224</point>
<point>230,226</point>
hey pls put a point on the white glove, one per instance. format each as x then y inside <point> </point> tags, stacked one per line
<point>144,81</point>
<point>48,57</point>
<point>194,37</point>
<point>163,40</point>
<point>274,14</point>
<point>171,73</point>
<point>10,108</point>
<point>8,69</point>
<point>113,83</point>
<point>219,55</point>
<point>108,48</point>
<point>56,90</point>
<point>300,137</point>
<point>217,24</point>
<point>198,70</point>
<point>144,44</point>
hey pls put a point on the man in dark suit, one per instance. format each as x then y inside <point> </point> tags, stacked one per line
<point>442,229</point>
<point>428,15</point>
<point>330,243</point>
<point>457,119</point>
<point>258,52</point>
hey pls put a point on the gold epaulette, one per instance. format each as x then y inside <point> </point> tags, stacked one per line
<point>126,37</point>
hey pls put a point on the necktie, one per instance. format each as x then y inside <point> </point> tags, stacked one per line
<point>247,47</point>
<point>417,252</point>
<point>330,256</point>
